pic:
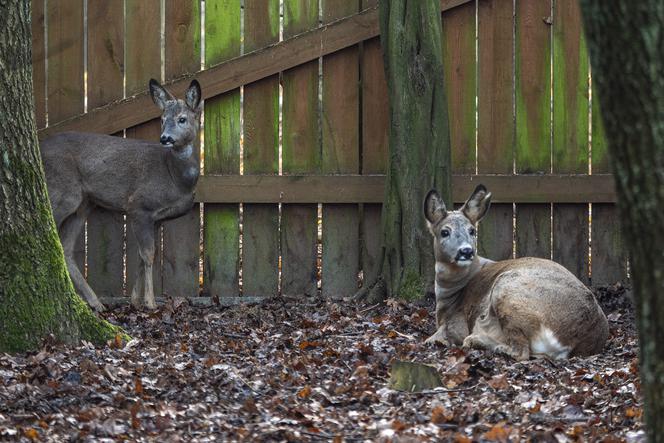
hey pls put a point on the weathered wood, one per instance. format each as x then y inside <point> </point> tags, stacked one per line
<point>105,84</point>
<point>341,155</point>
<point>143,62</point>
<point>570,133</point>
<point>223,77</point>
<point>301,154</point>
<point>556,188</point>
<point>533,119</point>
<point>143,58</point>
<point>65,73</point>
<point>39,62</point>
<point>608,249</point>
<point>496,124</point>
<point>260,251</point>
<point>181,237</point>
<point>222,154</point>
<point>533,230</point>
<point>375,124</point>
<point>460,66</point>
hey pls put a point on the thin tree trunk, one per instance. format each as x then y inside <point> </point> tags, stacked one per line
<point>419,151</point>
<point>626,42</point>
<point>37,298</point>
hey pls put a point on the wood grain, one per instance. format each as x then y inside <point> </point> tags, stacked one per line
<point>260,261</point>
<point>533,119</point>
<point>301,154</point>
<point>570,134</point>
<point>105,84</point>
<point>221,264</point>
<point>496,119</point>
<point>341,155</point>
<point>181,237</point>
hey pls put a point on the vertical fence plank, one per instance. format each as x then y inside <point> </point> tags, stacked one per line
<point>608,252</point>
<point>570,133</point>
<point>65,73</point>
<point>105,84</point>
<point>340,131</point>
<point>461,82</point>
<point>260,262</point>
<point>143,62</point>
<point>375,124</point>
<point>533,120</point>
<point>39,62</point>
<point>495,126</point>
<point>300,155</point>
<point>182,53</point>
<point>222,153</point>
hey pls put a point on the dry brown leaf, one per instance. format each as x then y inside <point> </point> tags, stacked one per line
<point>31,433</point>
<point>499,432</point>
<point>138,386</point>
<point>460,438</point>
<point>498,382</point>
<point>304,392</point>
<point>440,415</point>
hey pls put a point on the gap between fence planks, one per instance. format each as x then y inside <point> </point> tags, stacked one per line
<point>235,72</point>
<point>350,188</point>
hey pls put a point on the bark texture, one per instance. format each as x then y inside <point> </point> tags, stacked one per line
<point>626,43</point>
<point>419,151</point>
<point>37,298</point>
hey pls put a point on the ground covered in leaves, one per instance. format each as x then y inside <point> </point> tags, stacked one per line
<point>305,370</point>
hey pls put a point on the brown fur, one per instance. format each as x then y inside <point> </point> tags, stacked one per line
<point>519,307</point>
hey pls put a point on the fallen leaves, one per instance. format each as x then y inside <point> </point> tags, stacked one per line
<point>294,371</point>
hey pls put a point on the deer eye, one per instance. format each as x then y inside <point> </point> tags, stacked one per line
<point>182,120</point>
<point>472,231</point>
<point>445,233</point>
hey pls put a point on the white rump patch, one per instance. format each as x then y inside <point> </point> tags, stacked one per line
<point>546,343</point>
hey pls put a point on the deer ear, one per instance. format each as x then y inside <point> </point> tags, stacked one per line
<point>193,95</point>
<point>477,204</point>
<point>159,95</point>
<point>434,208</point>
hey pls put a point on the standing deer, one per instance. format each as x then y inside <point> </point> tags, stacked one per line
<point>521,308</point>
<point>150,182</point>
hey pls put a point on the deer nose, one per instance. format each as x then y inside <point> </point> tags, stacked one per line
<point>468,251</point>
<point>166,140</point>
<point>465,253</point>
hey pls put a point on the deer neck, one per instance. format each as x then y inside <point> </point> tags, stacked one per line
<point>183,166</point>
<point>451,278</point>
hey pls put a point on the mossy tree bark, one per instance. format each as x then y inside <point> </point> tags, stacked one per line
<point>419,151</point>
<point>37,298</point>
<point>625,42</point>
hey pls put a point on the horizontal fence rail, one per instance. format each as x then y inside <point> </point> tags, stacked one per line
<point>557,188</point>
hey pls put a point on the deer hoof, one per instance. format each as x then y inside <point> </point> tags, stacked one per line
<point>437,338</point>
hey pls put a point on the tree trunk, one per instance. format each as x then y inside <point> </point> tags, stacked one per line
<point>419,151</point>
<point>626,42</point>
<point>37,298</point>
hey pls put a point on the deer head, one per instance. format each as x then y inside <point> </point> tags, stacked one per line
<point>454,232</point>
<point>180,119</point>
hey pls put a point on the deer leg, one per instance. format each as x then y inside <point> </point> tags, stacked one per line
<point>137,290</point>
<point>70,229</point>
<point>438,337</point>
<point>144,230</point>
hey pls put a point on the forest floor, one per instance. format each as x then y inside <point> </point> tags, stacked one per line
<point>306,370</point>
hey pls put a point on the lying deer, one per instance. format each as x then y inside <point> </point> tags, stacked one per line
<point>150,182</point>
<point>521,308</point>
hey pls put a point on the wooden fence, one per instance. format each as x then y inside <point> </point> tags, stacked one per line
<point>295,135</point>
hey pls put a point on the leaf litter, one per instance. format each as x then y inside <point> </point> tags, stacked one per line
<point>313,370</point>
